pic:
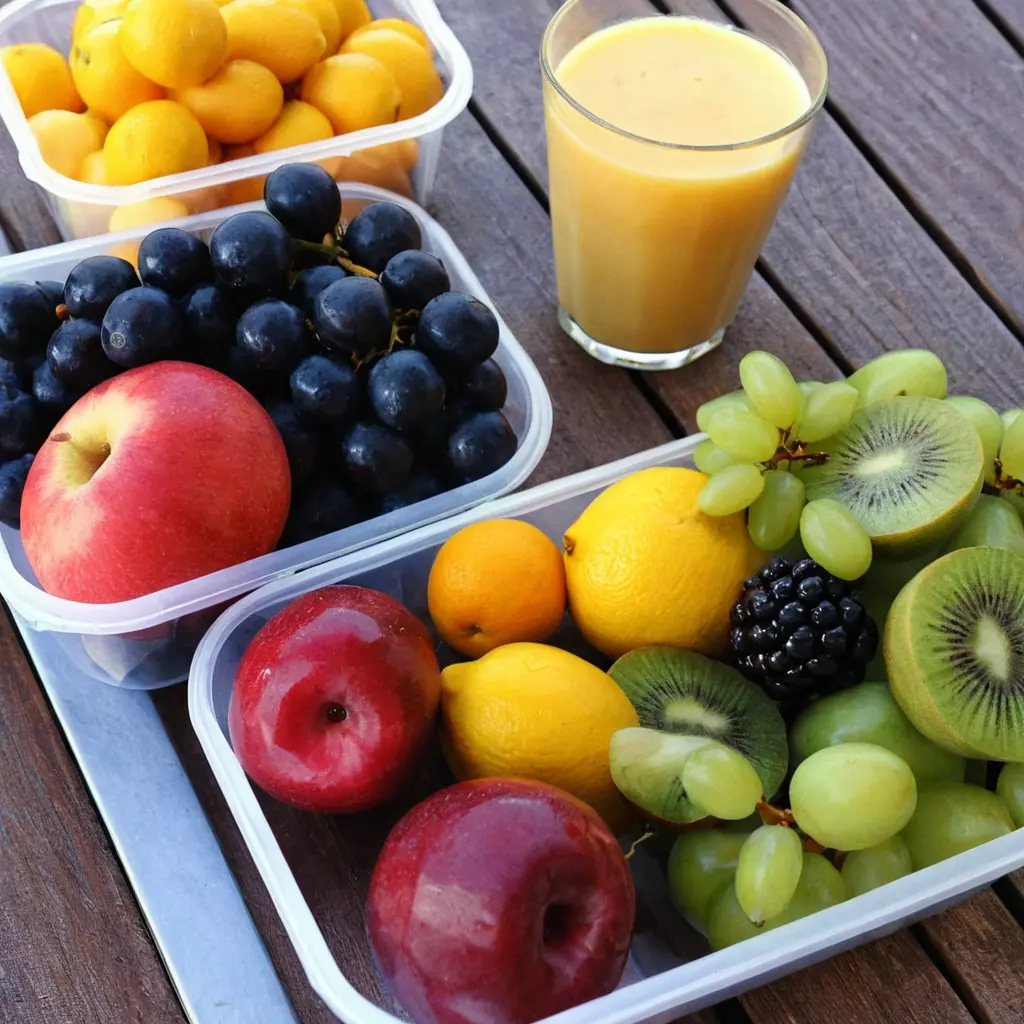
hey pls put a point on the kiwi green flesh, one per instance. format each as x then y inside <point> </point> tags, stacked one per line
<point>678,691</point>
<point>647,768</point>
<point>954,652</point>
<point>909,469</point>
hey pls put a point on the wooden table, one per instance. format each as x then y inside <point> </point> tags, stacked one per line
<point>905,228</point>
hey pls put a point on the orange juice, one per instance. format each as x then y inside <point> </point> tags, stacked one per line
<point>665,184</point>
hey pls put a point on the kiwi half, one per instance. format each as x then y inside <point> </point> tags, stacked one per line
<point>908,468</point>
<point>954,652</point>
<point>677,691</point>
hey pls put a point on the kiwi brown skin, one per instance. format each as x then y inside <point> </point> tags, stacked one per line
<point>948,693</point>
<point>739,713</point>
<point>960,450</point>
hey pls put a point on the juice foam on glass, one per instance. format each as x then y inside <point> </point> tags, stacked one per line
<point>671,143</point>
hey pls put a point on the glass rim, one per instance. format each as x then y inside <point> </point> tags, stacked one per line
<point>798,23</point>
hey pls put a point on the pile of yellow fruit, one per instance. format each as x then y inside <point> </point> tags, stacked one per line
<point>159,87</point>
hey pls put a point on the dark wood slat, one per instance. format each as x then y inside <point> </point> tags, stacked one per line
<point>73,946</point>
<point>935,91</point>
<point>981,948</point>
<point>1010,15</point>
<point>890,980</point>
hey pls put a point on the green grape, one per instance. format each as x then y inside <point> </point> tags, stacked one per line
<point>987,422</point>
<point>744,436</point>
<point>1010,789</point>
<point>829,408</point>
<point>908,371</point>
<point>1009,416</point>
<point>768,872</point>
<point>1011,451</point>
<point>709,458</point>
<point>721,782</point>
<point>952,817</point>
<point>868,713</point>
<point>699,863</point>
<point>732,400</point>
<point>993,523</point>
<point>731,490</point>
<point>808,387</point>
<point>835,539</point>
<point>821,887</point>
<point>852,795</point>
<point>770,388</point>
<point>864,870</point>
<point>775,516</point>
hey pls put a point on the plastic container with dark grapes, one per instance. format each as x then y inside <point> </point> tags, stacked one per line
<point>148,642</point>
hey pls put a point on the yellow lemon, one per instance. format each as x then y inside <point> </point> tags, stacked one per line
<point>299,122</point>
<point>239,103</point>
<point>411,65</point>
<point>352,14</point>
<point>41,78</point>
<point>153,140</point>
<point>93,13</point>
<point>353,90</point>
<point>536,712</point>
<point>93,169</point>
<point>407,28</point>
<point>65,139</point>
<point>285,38</point>
<point>174,43</point>
<point>106,81</point>
<point>645,566</point>
<point>326,15</point>
<point>149,211</point>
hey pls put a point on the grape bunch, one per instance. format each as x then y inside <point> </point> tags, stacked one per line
<point>379,377</point>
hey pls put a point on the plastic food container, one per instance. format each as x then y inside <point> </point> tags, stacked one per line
<point>81,209</point>
<point>148,642</point>
<point>671,971</point>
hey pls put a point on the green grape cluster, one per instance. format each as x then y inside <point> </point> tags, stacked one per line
<point>761,437</point>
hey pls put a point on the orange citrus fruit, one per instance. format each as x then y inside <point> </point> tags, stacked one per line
<point>494,583</point>
<point>285,38</point>
<point>93,169</point>
<point>174,43</point>
<point>353,90</point>
<point>148,211</point>
<point>299,123</point>
<point>41,78</point>
<point>216,153</point>
<point>94,12</point>
<point>153,140</point>
<point>407,28</point>
<point>352,14</point>
<point>238,104</point>
<point>411,65</point>
<point>65,139</point>
<point>106,81</point>
<point>326,15</point>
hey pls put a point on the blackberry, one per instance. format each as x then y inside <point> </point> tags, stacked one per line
<point>800,632</point>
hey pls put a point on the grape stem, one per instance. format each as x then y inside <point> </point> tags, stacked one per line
<point>336,252</point>
<point>796,453</point>
<point>771,815</point>
<point>1006,483</point>
<point>639,842</point>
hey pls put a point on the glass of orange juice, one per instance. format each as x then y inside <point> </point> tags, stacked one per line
<point>672,140</point>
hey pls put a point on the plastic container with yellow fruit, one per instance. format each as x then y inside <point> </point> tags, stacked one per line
<point>111,108</point>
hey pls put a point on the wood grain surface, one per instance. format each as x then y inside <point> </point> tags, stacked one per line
<point>935,91</point>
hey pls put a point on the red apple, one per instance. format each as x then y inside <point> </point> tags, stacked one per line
<point>500,900</point>
<point>334,700</point>
<point>159,475</point>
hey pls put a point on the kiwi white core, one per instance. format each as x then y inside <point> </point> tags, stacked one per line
<point>992,647</point>
<point>685,712</point>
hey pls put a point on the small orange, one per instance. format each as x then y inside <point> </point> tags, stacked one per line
<point>352,14</point>
<point>354,92</point>
<point>407,28</point>
<point>237,104</point>
<point>299,123</point>
<point>497,582</point>
<point>41,78</point>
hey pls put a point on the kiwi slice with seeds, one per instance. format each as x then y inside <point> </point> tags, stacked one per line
<point>909,468</point>
<point>954,652</point>
<point>679,692</point>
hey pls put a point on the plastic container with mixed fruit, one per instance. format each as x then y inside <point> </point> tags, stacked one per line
<point>291,379</point>
<point>794,677</point>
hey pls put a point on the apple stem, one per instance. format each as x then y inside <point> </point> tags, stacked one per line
<point>638,842</point>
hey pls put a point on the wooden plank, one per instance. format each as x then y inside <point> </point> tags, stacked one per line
<point>1008,15</point>
<point>935,91</point>
<point>981,948</point>
<point>890,980</point>
<point>73,946</point>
